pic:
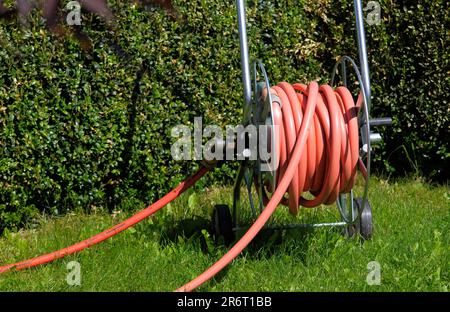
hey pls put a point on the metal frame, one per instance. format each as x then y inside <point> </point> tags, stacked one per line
<point>248,169</point>
<point>245,59</point>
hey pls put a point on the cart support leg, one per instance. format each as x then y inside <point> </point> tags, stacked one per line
<point>245,61</point>
<point>361,37</point>
<point>237,193</point>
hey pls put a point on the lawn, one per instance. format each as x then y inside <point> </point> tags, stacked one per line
<point>411,243</point>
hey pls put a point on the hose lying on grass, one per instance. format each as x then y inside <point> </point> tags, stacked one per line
<point>169,197</point>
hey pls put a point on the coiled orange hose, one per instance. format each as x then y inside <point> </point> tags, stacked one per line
<point>329,162</point>
<point>318,146</point>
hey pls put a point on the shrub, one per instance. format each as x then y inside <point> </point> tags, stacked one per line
<point>72,138</point>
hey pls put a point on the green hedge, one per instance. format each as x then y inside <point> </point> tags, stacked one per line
<point>70,137</point>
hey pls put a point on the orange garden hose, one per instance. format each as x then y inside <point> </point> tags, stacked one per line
<point>318,148</point>
<point>110,232</point>
<point>318,135</point>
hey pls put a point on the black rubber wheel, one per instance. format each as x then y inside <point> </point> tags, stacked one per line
<point>222,225</point>
<point>365,224</point>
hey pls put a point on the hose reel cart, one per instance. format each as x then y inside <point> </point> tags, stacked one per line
<point>259,109</point>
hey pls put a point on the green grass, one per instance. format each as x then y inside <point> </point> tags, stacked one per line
<point>411,243</point>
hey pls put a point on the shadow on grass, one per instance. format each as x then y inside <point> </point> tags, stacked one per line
<point>267,244</point>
